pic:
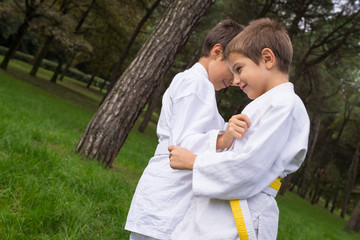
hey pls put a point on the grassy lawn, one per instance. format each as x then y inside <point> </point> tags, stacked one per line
<point>49,192</point>
<point>46,190</point>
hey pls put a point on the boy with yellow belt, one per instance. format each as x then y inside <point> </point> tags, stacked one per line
<point>274,146</point>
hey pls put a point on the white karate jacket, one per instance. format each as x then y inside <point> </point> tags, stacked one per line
<point>275,145</point>
<point>189,118</point>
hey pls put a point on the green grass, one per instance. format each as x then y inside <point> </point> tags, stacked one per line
<point>20,67</point>
<point>46,190</point>
<point>299,220</point>
<point>49,192</point>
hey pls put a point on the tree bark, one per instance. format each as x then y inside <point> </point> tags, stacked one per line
<point>152,105</point>
<point>284,185</point>
<point>108,129</point>
<point>351,179</point>
<point>40,55</point>
<point>303,186</point>
<point>15,44</point>
<point>333,203</point>
<point>77,31</point>
<point>58,68</point>
<point>354,222</point>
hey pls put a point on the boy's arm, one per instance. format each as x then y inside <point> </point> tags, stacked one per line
<point>272,149</point>
<point>193,125</point>
<point>183,159</point>
<point>236,129</point>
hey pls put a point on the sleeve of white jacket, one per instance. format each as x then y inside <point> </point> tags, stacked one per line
<point>268,152</point>
<point>191,125</point>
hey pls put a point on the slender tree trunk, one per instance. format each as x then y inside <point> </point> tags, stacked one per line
<point>116,71</point>
<point>108,129</point>
<point>40,55</point>
<point>77,31</point>
<point>58,69</point>
<point>44,47</point>
<point>354,222</point>
<point>351,180</point>
<point>285,183</point>
<point>333,203</point>
<point>90,80</point>
<point>14,44</point>
<point>98,70</point>
<point>327,202</point>
<point>303,186</point>
<point>103,85</point>
<point>152,105</point>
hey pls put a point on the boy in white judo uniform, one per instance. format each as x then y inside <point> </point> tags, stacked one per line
<point>189,118</point>
<point>274,145</point>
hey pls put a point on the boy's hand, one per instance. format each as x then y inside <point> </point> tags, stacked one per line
<point>237,127</point>
<point>181,158</point>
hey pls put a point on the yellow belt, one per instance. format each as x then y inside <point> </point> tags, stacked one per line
<point>238,214</point>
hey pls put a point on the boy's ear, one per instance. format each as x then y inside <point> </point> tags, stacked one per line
<point>268,58</point>
<point>217,51</point>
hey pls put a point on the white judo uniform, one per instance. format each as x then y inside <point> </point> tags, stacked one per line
<point>275,145</point>
<point>189,118</point>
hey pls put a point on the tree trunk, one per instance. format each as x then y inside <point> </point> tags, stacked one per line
<point>333,203</point>
<point>102,86</point>
<point>303,186</point>
<point>40,55</point>
<point>327,202</point>
<point>152,105</point>
<point>351,179</point>
<point>58,69</point>
<point>77,31</point>
<point>284,185</point>
<point>108,129</point>
<point>31,8</point>
<point>354,222</point>
<point>14,44</point>
<point>90,80</point>
<point>116,71</point>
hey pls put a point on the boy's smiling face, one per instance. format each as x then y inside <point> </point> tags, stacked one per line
<point>252,78</point>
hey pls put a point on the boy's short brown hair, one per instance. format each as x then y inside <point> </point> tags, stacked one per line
<point>222,34</point>
<point>260,34</point>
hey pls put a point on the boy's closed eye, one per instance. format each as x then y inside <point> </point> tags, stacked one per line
<point>238,69</point>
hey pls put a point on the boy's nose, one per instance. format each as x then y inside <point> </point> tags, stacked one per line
<point>236,81</point>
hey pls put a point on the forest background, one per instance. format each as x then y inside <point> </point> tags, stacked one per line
<point>95,42</point>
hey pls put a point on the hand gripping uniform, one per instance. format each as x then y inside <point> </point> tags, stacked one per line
<point>189,118</point>
<point>274,146</point>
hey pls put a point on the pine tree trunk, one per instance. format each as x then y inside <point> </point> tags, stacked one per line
<point>151,107</point>
<point>77,30</point>
<point>31,8</point>
<point>58,69</point>
<point>40,55</point>
<point>108,129</point>
<point>334,203</point>
<point>303,186</point>
<point>327,202</point>
<point>284,185</point>
<point>351,179</point>
<point>90,80</point>
<point>354,222</point>
<point>14,45</point>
